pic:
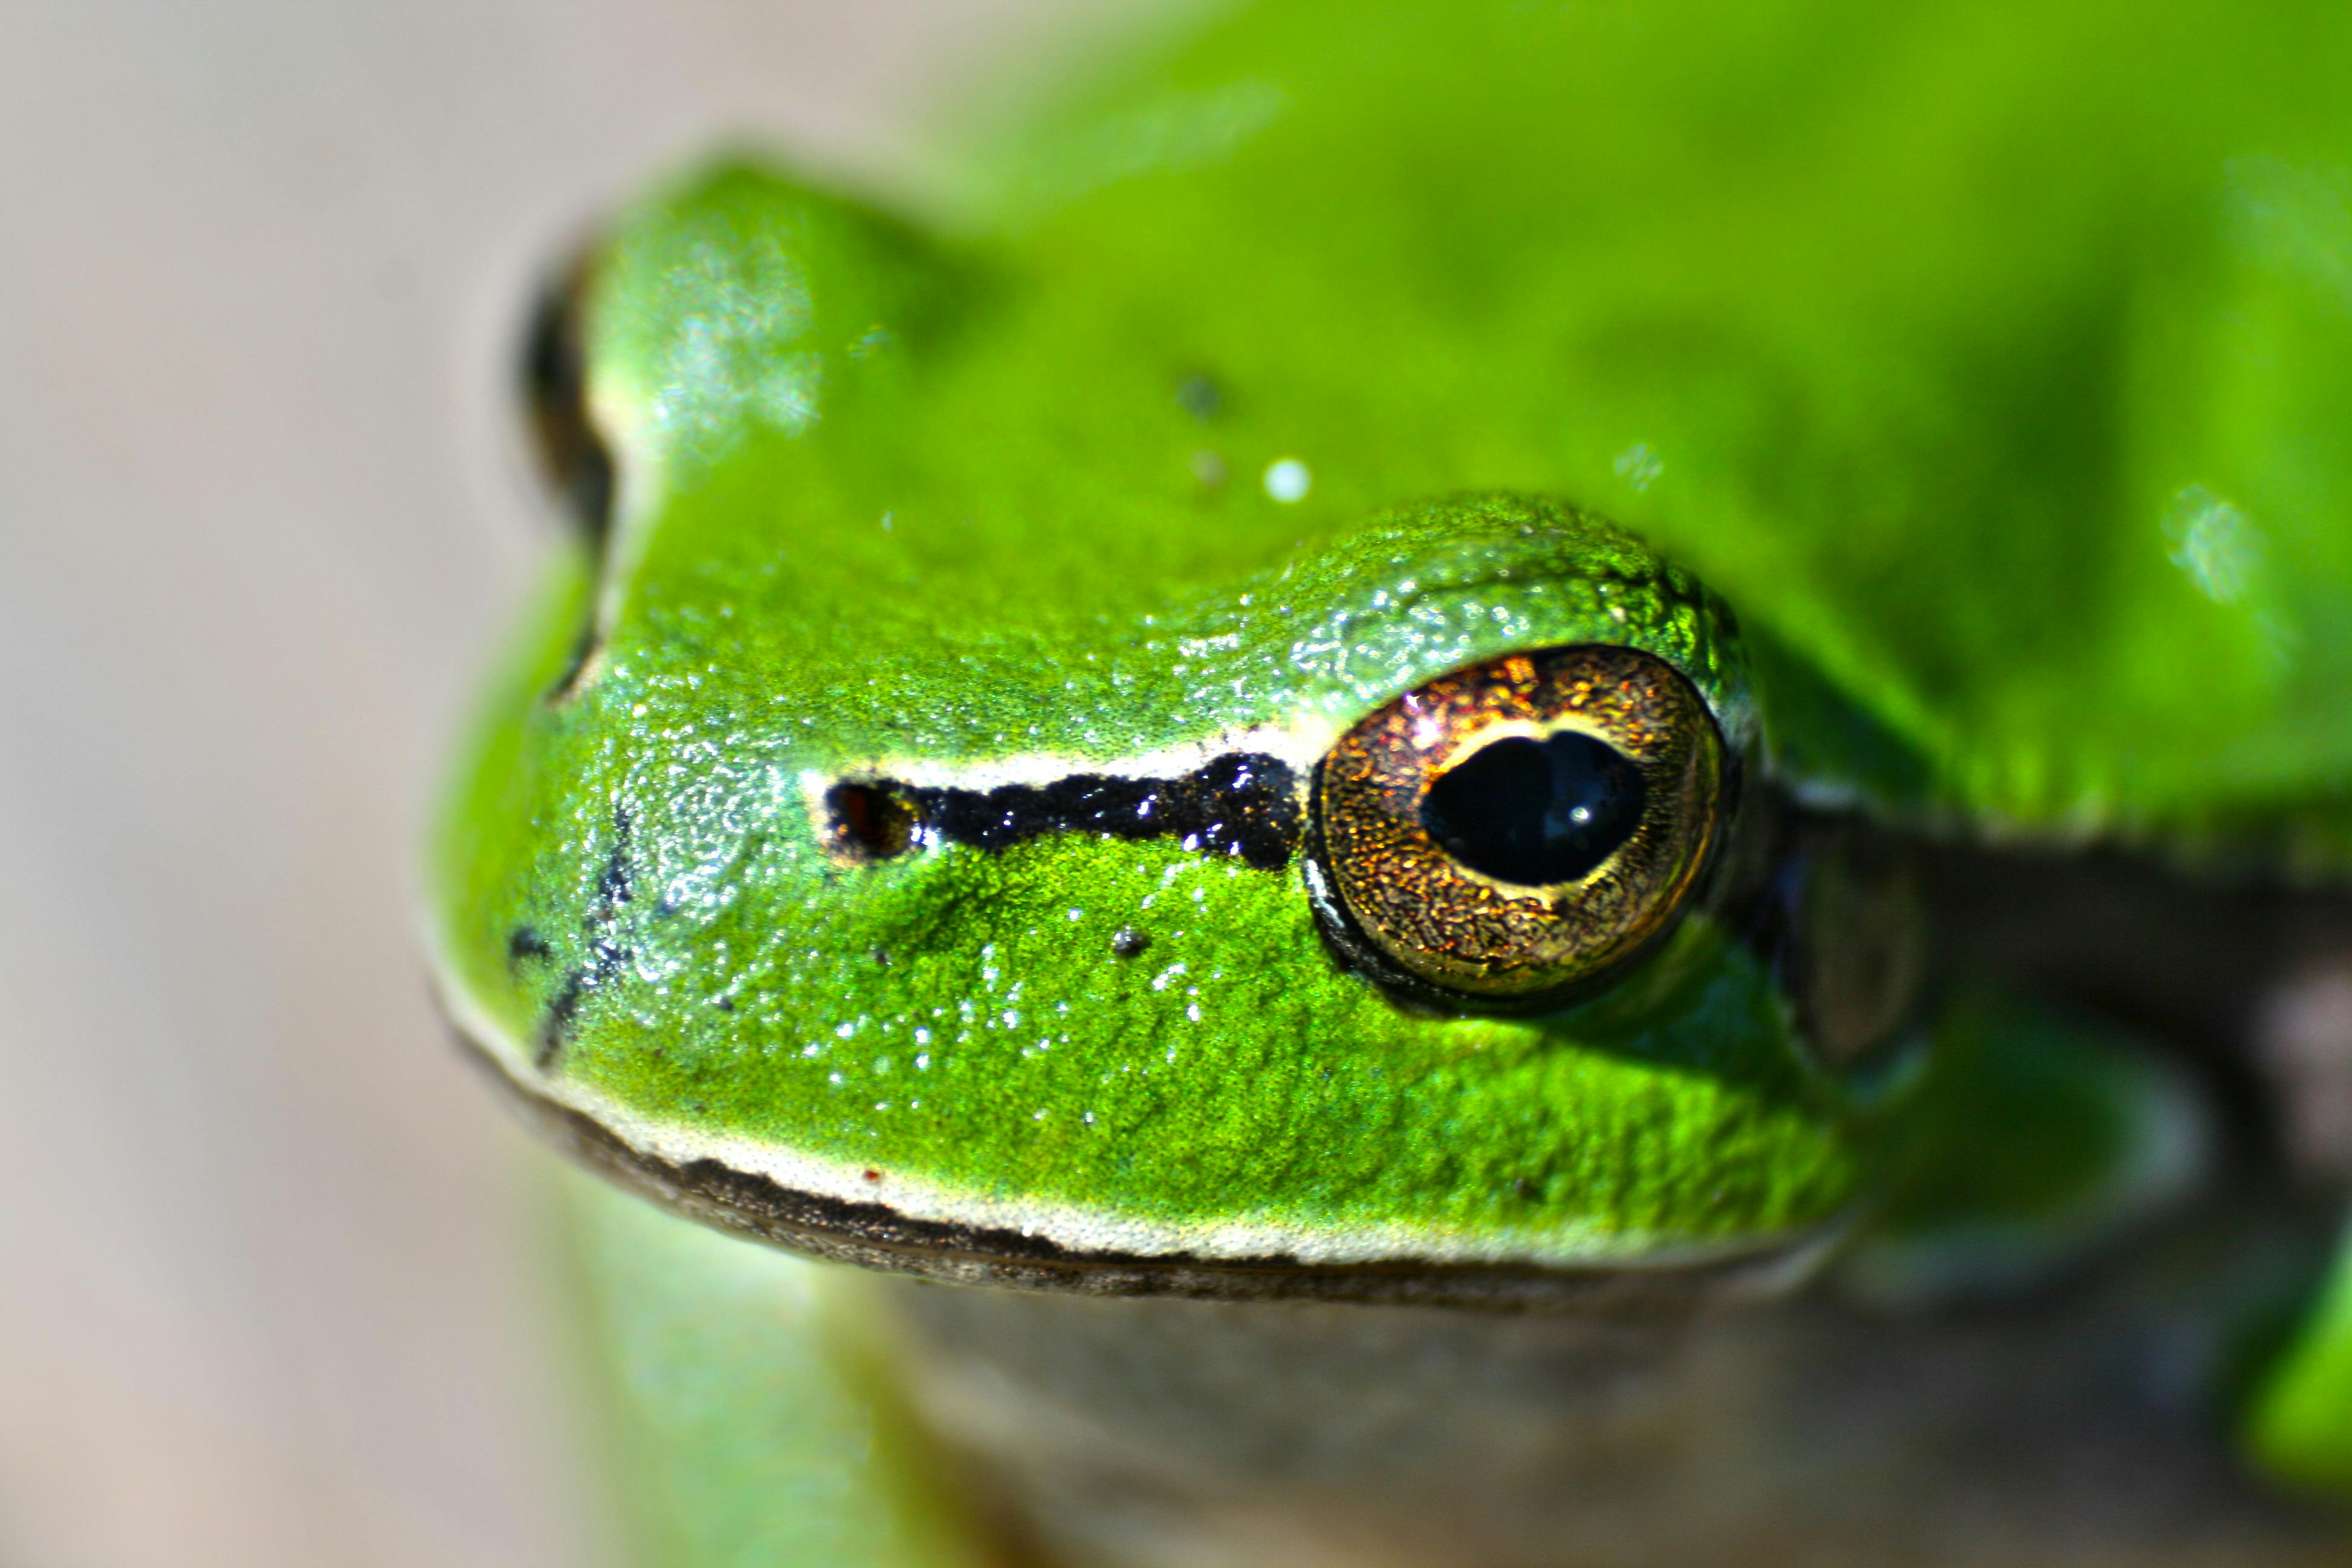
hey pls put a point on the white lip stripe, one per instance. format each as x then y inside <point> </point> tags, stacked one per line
<point>1300,745</point>
<point>1077,1228</point>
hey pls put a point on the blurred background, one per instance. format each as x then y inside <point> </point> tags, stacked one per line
<point>274,1284</point>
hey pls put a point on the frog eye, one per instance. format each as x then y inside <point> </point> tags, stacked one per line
<point>1517,827</point>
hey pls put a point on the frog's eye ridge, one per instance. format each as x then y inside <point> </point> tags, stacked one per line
<point>1514,829</point>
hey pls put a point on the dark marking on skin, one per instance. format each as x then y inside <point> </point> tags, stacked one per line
<point>525,942</point>
<point>1128,943</point>
<point>1245,805</point>
<point>613,887</point>
<point>2187,958</point>
<point>606,956</point>
<point>1200,397</point>
<point>555,1028</point>
<point>572,452</point>
<point>869,822</point>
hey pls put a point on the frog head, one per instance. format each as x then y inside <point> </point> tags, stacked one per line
<point>974,802</point>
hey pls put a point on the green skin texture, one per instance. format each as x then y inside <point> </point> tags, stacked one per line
<point>1998,381</point>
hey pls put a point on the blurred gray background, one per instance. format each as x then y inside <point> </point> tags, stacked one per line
<point>275,1287</point>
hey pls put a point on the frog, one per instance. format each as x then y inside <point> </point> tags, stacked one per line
<point>1474,784</point>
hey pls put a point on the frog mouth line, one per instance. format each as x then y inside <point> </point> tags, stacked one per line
<point>877,1234</point>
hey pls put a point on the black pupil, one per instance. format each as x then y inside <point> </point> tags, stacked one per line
<point>1535,811</point>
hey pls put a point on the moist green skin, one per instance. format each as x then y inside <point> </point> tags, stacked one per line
<point>894,502</point>
<point>958,1021</point>
<point>1996,375</point>
<point>645,906</point>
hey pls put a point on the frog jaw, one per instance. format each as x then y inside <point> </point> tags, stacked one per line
<point>853,1215</point>
<point>993,1195</point>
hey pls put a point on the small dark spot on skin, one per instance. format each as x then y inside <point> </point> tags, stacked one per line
<point>882,956</point>
<point>526,943</point>
<point>873,1175</point>
<point>727,1003</point>
<point>1128,941</point>
<point>1200,397</point>
<point>1525,1190</point>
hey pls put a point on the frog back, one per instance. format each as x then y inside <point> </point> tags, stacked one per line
<point>1996,375</point>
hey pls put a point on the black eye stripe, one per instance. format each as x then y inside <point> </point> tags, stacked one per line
<point>1245,804</point>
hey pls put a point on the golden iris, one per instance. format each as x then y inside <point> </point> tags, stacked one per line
<point>1517,827</point>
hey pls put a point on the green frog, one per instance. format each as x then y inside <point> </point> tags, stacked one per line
<point>1502,783</point>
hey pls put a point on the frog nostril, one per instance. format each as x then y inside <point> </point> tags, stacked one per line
<point>572,452</point>
<point>869,822</point>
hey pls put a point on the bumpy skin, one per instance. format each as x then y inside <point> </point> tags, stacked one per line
<point>951,1032</point>
<point>1995,373</point>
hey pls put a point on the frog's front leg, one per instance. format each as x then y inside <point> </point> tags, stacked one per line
<point>2040,1139</point>
<point>2299,1421</point>
<point>748,1431</point>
